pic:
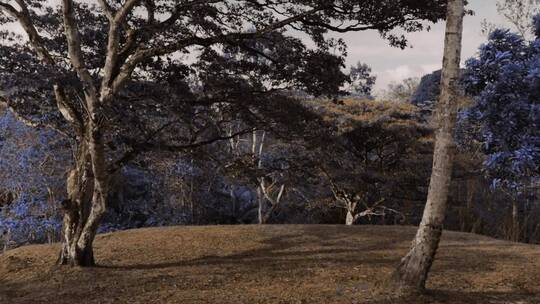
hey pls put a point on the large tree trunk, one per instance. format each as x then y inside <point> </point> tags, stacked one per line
<point>411,275</point>
<point>80,186</point>
<point>87,187</point>
<point>85,207</point>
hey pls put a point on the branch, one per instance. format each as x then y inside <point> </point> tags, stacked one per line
<point>68,112</point>
<point>139,148</point>
<point>371,211</point>
<point>107,9</point>
<point>113,47</point>
<point>9,9</point>
<point>336,191</point>
<point>29,122</point>
<point>74,49</point>
<point>274,203</point>
<point>36,42</point>
<point>150,8</point>
<point>142,54</point>
<point>175,15</point>
<point>24,19</point>
<point>121,15</point>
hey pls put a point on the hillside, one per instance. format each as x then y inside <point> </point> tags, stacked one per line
<point>269,264</point>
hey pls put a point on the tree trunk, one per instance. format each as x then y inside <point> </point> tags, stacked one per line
<point>349,220</point>
<point>351,212</point>
<point>80,186</point>
<point>87,187</point>
<point>260,201</point>
<point>515,221</point>
<point>411,275</point>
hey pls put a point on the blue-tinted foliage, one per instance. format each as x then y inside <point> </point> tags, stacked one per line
<point>505,81</point>
<point>31,173</point>
<point>536,24</point>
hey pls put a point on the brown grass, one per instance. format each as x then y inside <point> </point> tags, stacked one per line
<point>269,264</point>
<point>346,113</point>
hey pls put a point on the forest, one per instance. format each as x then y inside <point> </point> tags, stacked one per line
<point>157,151</point>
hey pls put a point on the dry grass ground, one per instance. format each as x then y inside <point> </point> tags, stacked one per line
<point>269,264</point>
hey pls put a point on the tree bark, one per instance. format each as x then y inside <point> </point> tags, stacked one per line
<point>260,202</point>
<point>87,188</point>
<point>263,191</point>
<point>349,220</point>
<point>515,221</point>
<point>80,184</point>
<point>412,273</point>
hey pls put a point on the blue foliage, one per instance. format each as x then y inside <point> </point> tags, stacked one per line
<point>29,170</point>
<point>505,81</point>
<point>536,24</point>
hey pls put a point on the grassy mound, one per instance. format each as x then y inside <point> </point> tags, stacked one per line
<point>269,264</point>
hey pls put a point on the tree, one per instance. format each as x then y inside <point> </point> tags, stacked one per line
<point>266,192</point>
<point>402,92</point>
<point>95,57</point>
<point>356,199</point>
<point>519,13</point>
<point>362,81</point>
<point>413,270</point>
<point>503,121</point>
<point>273,159</point>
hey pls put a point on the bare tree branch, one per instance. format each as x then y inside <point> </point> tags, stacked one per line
<point>113,47</point>
<point>24,19</point>
<point>138,148</point>
<point>233,38</point>
<point>107,9</point>
<point>66,109</point>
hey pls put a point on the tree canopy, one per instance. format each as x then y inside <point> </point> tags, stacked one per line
<point>505,80</point>
<point>124,77</point>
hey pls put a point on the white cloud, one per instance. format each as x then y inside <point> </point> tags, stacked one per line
<point>396,75</point>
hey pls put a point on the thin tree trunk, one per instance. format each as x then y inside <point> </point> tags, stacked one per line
<point>515,221</point>
<point>260,201</point>
<point>412,273</point>
<point>233,203</point>
<point>351,214</point>
<point>349,220</point>
<point>264,216</point>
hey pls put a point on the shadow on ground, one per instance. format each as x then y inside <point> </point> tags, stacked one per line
<point>269,264</point>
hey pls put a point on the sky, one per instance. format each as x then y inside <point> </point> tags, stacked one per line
<point>391,64</point>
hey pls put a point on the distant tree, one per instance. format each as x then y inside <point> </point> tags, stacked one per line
<point>361,80</point>
<point>411,275</point>
<point>519,13</point>
<point>403,91</point>
<point>89,66</point>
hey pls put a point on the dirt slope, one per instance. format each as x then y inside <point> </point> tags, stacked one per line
<point>269,264</point>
